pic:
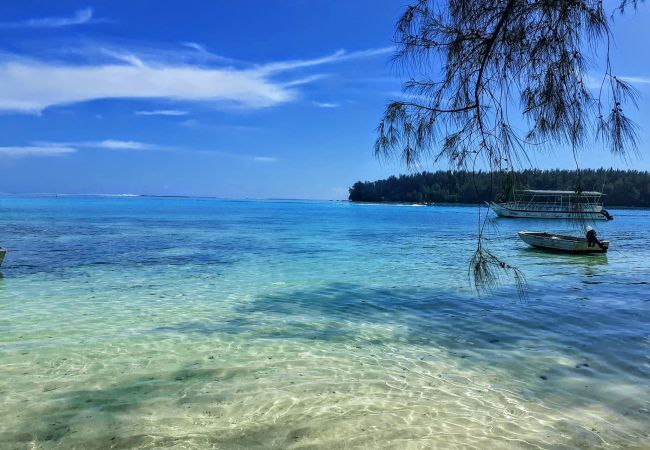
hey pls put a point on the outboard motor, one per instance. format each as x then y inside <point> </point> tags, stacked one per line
<point>607,215</point>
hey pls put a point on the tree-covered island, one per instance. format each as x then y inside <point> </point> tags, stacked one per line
<point>628,188</point>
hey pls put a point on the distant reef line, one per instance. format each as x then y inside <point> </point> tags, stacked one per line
<point>625,188</point>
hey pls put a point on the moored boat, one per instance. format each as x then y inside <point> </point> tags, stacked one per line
<point>562,243</point>
<point>545,204</point>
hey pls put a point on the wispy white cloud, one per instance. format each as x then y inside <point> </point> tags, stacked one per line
<point>194,46</point>
<point>47,148</point>
<point>264,159</point>
<point>636,80</point>
<point>207,55</point>
<point>596,81</point>
<point>326,104</point>
<point>30,86</point>
<point>408,96</point>
<point>35,150</point>
<point>107,144</point>
<point>305,80</point>
<point>338,56</point>
<point>80,17</point>
<point>125,57</point>
<point>162,112</point>
<point>112,144</point>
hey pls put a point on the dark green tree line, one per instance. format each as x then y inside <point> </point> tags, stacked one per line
<point>622,187</point>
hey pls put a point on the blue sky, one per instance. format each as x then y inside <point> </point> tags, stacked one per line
<point>268,99</point>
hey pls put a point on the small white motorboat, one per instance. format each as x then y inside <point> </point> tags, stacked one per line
<point>3,252</point>
<point>562,243</point>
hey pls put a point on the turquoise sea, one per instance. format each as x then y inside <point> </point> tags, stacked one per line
<point>134,322</point>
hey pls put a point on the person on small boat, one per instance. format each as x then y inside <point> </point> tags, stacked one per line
<point>592,239</point>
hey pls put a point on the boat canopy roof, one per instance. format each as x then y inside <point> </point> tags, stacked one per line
<point>570,193</point>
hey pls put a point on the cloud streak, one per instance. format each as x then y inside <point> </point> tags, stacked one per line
<point>162,112</point>
<point>206,55</point>
<point>35,150</point>
<point>52,149</point>
<point>636,80</point>
<point>338,56</point>
<point>80,17</point>
<point>593,81</point>
<point>106,144</point>
<point>266,159</point>
<point>112,144</point>
<point>30,86</point>
<point>326,104</point>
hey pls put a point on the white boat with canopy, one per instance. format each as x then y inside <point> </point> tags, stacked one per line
<point>547,204</point>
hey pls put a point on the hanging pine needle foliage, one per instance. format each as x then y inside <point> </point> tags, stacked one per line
<point>492,80</point>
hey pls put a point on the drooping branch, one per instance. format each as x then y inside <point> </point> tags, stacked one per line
<point>491,59</point>
<point>493,80</point>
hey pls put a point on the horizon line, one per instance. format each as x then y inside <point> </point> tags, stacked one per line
<point>130,195</point>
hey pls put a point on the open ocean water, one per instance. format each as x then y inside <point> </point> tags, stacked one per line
<point>199,323</point>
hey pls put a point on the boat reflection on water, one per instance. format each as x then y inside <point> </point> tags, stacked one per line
<point>589,265</point>
<point>555,258</point>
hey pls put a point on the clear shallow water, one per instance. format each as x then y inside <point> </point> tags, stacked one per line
<point>199,323</point>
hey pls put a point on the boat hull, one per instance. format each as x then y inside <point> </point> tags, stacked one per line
<point>561,243</point>
<point>503,211</point>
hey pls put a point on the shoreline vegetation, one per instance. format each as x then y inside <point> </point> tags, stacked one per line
<point>622,188</point>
